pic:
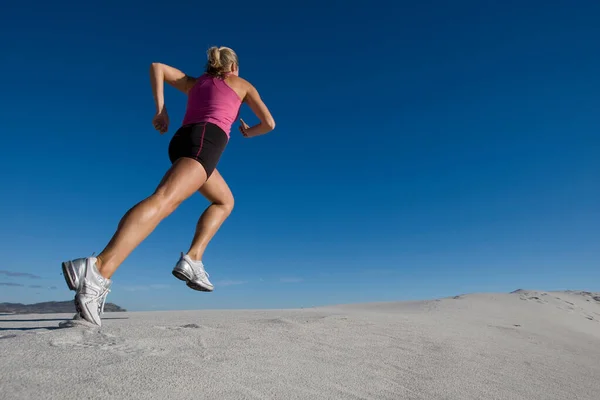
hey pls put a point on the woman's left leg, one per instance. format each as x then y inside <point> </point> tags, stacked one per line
<point>190,267</point>
<point>218,193</point>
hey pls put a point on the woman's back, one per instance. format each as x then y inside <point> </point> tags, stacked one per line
<point>211,99</point>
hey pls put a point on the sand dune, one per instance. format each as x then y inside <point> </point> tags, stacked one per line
<point>522,345</point>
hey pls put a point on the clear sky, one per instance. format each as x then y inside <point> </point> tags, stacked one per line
<point>422,149</point>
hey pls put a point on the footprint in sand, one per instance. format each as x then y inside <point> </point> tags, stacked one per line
<point>178,328</point>
<point>201,351</point>
<point>95,339</point>
<point>8,336</point>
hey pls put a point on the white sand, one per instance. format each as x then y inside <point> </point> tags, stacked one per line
<point>525,345</point>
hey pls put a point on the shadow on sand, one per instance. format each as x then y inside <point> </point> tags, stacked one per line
<point>32,328</point>
<point>51,319</point>
<point>47,328</point>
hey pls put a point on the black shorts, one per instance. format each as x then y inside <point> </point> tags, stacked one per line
<point>204,142</point>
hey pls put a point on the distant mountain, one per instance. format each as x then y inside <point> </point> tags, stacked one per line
<point>50,307</point>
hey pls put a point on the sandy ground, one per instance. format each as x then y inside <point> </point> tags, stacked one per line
<point>522,345</point>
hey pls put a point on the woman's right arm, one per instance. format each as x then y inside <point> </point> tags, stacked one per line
<point>160,73</point>
<point>267,123</point>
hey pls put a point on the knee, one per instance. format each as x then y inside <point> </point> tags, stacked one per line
<point>170,206</point>
<point>227,204</point>
<point>165,204</point>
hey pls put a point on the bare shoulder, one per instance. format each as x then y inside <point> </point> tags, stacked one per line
<point>238,81</point>
<point>240,85</point>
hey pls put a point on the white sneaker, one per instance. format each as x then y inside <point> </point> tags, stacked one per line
<point>193,273</point>
<point>91,293</point>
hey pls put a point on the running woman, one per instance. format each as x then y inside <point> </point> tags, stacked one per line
<point>213,105</point>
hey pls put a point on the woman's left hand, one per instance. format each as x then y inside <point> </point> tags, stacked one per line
<point>244,127</point>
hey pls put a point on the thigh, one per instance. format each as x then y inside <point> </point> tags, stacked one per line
<point>216,189</point>
<point>182,180</point>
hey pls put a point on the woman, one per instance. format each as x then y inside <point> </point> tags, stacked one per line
<point>214,100</point>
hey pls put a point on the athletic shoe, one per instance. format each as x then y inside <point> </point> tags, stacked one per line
<point>193,273</point>
<point>91,293</point>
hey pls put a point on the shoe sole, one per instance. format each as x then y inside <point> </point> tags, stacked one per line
<point>68,274</point>
<point>183,277</point>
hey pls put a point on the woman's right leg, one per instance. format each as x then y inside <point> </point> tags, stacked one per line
<point>90,276</point>
<point>183,179</point>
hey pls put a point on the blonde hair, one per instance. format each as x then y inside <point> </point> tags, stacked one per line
<point>220,61</point>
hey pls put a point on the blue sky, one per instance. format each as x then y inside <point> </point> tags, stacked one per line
<point>422,149</point>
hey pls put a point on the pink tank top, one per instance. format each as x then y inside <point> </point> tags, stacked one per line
<point>212,100</point>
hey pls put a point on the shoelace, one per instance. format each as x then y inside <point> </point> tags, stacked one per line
<point>198,271</point>
<point>102,297</point>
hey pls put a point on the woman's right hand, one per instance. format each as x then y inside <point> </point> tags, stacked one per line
<point>161,121</point>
